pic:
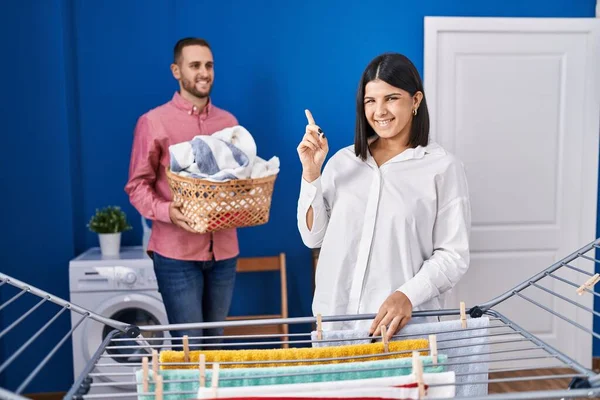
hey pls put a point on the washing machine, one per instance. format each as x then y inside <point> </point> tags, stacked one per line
<point>119,287</point>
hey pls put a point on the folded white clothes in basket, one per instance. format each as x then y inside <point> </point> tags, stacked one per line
<point>437,385</point>
<point>467,349</point>
<point>225,155</point>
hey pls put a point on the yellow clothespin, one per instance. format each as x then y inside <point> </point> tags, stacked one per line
<point>158,388</point>
<point>154,364</point>
<point>433,349</point>
<point>463,314</point>
<point>145,373</point>
<point>186,349</point>
<point>215,380</point>
<point>319,327</point>
<point>589,284</point>
<point>386,347</point>
<point>202,365</point>
<point>418,372</point>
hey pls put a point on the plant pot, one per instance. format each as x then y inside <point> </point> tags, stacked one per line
<point>110,243</point>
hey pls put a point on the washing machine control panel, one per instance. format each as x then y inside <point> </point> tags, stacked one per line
<point>132,270</point>
<point>134,278</point>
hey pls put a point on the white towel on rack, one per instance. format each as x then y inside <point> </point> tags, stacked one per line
<point>376,387</point>
<point>227,154</point>
<point>467,349</point>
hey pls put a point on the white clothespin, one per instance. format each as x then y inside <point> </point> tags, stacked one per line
<point>202,365</point>
<point>433,349</point>
<point>418,372</point>
<point>589,284</point>
<point>319,327</point>
<point>145,373</point>
<point>186,349</point>
<point>463,314</point>
<point>386,347</point>
<point>215,380</point>
<point>158,388</point>
<point>154,364</point>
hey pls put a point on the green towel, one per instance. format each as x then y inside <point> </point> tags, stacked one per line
<point>252,376</point>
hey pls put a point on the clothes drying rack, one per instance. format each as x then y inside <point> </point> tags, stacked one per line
<point>514,350</point>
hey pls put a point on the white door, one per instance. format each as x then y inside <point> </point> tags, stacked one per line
<point>517,100</point>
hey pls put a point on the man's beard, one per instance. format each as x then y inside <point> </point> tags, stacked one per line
<point>191,88</point>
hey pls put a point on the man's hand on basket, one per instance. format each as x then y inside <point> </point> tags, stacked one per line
<point>178,218</point>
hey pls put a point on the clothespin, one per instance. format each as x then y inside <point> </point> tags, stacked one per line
<point>463,314</point>
<point>589,284</point>
<point>418,372</point>
<point>186,349</point>
<point>215,379</point>
<point>154,364</point>
<point>386,347</point>
<point>433,349</point>
<point>202,370</point>
<point>158,388</point>
<point>319,327</point>
<point>145,373</point>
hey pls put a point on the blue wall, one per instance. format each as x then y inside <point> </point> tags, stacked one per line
<point>37,196</point>
<point>77,74</point>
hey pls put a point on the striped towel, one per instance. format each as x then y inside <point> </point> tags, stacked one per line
<point>227,154</point>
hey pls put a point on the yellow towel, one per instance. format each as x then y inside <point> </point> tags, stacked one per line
<point>303,353</point>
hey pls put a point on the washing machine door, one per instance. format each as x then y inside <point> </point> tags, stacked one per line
<point>138,309</point>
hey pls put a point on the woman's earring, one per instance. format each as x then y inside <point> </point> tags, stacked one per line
<point>415,112</point>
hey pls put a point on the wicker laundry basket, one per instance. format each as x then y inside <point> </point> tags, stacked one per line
<point>215,206</point>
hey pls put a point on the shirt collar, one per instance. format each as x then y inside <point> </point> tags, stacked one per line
<point>415,153</point>
<point>431,148</point>
<point>189,107</point>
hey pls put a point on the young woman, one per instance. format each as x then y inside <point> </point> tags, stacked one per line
<point>391,213</point>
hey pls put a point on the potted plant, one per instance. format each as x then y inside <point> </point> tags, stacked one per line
<point>108,223</point>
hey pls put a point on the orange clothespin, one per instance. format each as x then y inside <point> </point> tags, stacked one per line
<point>463,314</point>
<point>186,349</point>
<point>589,284</point>
<point>386,347</point>
<point>202,365</point>
<point>145,374</point>
<point>319,327</point>
<point>418,372</point>
<point>154,364</point>
<point>215,380</point>
<point>433,349</point>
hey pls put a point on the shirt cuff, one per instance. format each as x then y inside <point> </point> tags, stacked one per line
<point>310,192</point>
<point>417,290</point>
<point>162,212</point>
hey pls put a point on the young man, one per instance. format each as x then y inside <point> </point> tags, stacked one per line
<point>195,272</point>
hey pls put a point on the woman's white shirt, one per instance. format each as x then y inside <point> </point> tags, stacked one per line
<point>402,226</point>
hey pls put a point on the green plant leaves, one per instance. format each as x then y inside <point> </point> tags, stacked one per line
<point>110,219</point>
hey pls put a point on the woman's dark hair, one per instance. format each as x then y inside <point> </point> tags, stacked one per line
<point>398,71</point>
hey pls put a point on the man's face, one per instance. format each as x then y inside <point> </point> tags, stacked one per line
<point>194,70</point>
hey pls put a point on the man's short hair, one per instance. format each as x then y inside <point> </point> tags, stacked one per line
<point>190,41</point>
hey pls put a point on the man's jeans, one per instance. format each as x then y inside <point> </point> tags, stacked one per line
<point>195,291</point>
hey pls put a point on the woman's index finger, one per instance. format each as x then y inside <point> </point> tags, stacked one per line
<point>309,117</point>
